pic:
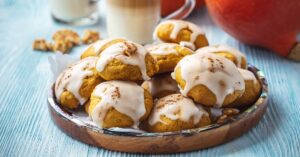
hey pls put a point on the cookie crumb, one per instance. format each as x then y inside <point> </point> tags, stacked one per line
<point>41,45</point>
<point>64,40</point>
<point>66,35</point>
<point>63,46</point>
<point>90,36</point>
<point>227,113</point>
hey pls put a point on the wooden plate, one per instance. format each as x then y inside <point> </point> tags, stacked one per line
<point>169,142</point>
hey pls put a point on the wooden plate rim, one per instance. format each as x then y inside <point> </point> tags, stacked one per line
<point>261,101</point>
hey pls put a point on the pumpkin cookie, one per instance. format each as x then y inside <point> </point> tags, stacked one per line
<point>96,48</point>
<point>209,79</point>
<point>237,57</point>
<point>176,112</point>
<point>126,61</point>
<point>252,90</point>
<point>181,32</point>
<point>74,85</point>
<point>119,104</point>
<point>167,55</point>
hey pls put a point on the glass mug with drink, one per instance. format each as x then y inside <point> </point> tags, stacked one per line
<point>136,19</point>
<point>74,12</point>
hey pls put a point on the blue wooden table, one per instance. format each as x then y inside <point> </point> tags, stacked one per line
<point>26,128</point>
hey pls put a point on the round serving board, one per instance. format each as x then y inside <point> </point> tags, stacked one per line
<point>169,142</point>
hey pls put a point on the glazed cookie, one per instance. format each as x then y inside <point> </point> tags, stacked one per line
<point>161,85</point>
<point>181,32</point>
<point>237,57</point>
<point>209,79</point>
<point>252,90</point>
<point>119,104</point>
<point>126,61</point>
<point>96,48</point>
<point>167,55</point>
<point>74,85</point>
<point>176,112</point>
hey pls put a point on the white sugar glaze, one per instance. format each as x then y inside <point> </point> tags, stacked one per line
<point>163,49</point>
<point>100,43</point>
<point>117,50</point>
<point>125,97</point>
<point>188,45</point>
<point>248,75</point>
<point>178,25</point>
<point>176,107</point>
<point>71,79</point>
<point>162,83</point>
<point>220,48</point>
<point>215,72</point>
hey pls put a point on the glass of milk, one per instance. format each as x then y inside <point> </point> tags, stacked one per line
<point>75,12</point>
<point>136,19</point>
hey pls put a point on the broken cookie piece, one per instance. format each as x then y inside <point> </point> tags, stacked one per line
<point>64,40</point>
<point>67,35</point>
<point>63,46</point>
<point>41,45</point>
<point>90,36</point>
<point>227,113</point>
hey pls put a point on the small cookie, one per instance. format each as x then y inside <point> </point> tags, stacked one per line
<point>119,104</point>
<point>181,32</point>
<point>209,79</point>
<point>96,48</point>
<point>252,90</point>
<point>237,57</point>
<point>126,61</point>
<point>176,112</point>
<point>75,84</point>
<point>167,55</point>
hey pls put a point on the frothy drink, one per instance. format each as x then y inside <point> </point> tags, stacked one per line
<point>132,19</point>
<point>74,12</point>
<point>72,9</point>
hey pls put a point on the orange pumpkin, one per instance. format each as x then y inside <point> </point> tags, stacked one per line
<point>273,24</point>
<point>169,6</point>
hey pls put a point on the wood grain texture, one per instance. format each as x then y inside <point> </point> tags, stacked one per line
<point>27,130</point>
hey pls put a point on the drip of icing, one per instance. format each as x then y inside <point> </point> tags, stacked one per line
<point>162,83</point>
<point>178,25</point>
<point>117,51</point>
<point>215,72</point>
<point>218,48</point>
<point>71,79</point>
<point>248,75</point>
<point>125,97</point>
<point>176,107</point>
<point>163,49</point>
<point>187,45</point>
